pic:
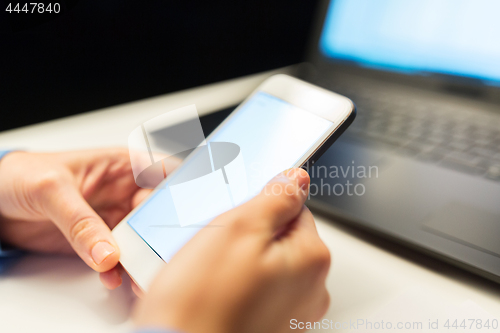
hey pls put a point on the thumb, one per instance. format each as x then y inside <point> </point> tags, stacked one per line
<point>86,232</point>
<point>281,200</point>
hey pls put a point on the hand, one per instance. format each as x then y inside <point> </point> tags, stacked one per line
<point>263,266</point>
<point>61,202</point>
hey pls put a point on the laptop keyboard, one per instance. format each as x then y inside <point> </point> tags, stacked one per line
<point>431,131</point>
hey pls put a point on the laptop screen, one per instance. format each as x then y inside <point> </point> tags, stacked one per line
<point>456,37</point>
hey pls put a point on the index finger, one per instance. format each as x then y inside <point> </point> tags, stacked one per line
<point>304,246</point>
<point>86,232</point>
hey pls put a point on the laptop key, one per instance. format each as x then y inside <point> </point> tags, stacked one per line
<point>419,148</point>
<point>459,165</point>
<point>433,155</point>
<point>430,157</point>
<point>493,172</point>
<point>482,151</point>
<point>464,157</point>
<point>436,140</point>
<point>464,162</point>
<point>458,145</point>
<point>393,140</point>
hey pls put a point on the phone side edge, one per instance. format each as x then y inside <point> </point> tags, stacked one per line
<point>329,142</point>
<point>137,258</point>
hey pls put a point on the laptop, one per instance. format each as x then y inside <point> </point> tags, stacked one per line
<point>421,163</point>
<point>424,151</point>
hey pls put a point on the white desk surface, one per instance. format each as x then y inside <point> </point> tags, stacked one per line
<point>370,279</point>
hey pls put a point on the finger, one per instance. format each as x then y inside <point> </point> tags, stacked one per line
<point>281,200</point>
<point>111,279</point>
<point>112,215</point>
<point>139,196</point>
<point>305,225</point>
<point>77,159</point>
<point>305,248</point>
<point>86,232</point>
<point>135,288</point>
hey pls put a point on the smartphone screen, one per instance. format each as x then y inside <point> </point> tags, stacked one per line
<point>267,136</point>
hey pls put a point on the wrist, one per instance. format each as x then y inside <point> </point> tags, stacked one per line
<point>194,322</point>
<point>2,154</point>
<point>156,330</point>
<point>7,189</point>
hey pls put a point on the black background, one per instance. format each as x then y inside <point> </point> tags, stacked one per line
<point>98,53</point>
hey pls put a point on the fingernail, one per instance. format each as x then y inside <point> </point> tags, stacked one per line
<point>300,176</point>
<point>101,251</point>
<point>296,173</point>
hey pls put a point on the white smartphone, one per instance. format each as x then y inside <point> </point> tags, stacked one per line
<point>284,123</point>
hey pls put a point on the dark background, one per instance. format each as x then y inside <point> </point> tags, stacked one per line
<point>97,53</point>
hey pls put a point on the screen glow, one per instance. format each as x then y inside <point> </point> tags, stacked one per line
<point>456,37</point>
